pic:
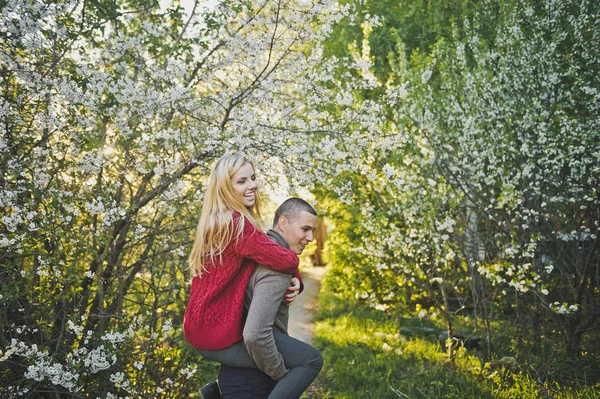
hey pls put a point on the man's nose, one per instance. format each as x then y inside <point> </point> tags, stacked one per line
<point>310,236</point>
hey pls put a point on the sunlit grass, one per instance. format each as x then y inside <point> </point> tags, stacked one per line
<point>365,357</point>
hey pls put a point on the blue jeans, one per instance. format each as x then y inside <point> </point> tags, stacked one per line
<point>303,360</point>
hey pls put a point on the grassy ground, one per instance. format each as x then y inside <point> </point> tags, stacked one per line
<point>366,357</point>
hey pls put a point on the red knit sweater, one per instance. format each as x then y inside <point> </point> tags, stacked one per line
<point>214,315</point>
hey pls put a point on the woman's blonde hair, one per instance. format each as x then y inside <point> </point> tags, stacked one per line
<point>216,228</point>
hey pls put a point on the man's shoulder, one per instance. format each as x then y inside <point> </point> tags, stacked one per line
<point>263,271</point>
<point>276,237</point>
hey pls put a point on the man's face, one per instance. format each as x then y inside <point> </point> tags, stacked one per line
<point>299,231</point>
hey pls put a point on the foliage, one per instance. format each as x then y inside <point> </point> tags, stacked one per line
<point>111,114</point>
<point>483,200</point>
<point>365,357</point>
<point>454,145</point>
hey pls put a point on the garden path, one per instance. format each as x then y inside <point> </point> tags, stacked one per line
<point>302,311</point>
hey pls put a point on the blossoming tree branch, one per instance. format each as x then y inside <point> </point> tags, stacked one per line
<point>461,173</point>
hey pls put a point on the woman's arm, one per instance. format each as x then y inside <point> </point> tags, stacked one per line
<point>255,245</point>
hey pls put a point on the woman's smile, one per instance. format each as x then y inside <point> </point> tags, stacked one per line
<point>244,185</point>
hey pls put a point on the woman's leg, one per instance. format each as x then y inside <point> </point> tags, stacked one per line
<point>235,355</point>
<point>304,362</point>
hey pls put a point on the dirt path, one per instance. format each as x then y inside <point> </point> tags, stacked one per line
<point>302,312</point>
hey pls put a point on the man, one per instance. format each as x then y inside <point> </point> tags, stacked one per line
<point>265,331</point>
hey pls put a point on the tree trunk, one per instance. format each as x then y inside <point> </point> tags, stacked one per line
<point>574,344</point>
<point>320,237</point>
<point>449,340</point>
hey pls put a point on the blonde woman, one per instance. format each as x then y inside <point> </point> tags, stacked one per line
<point>227,247</point>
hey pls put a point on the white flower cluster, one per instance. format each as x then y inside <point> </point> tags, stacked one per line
<point>113,396</point>
<point>113,337</point>
<point>57,373</point>
<point>563,308</point>
<point>77,330</point>
<point>447,225</point>
<point>42,367</point>
<point>119,380</point>
<point>99,359</point>
<point>188,372</point>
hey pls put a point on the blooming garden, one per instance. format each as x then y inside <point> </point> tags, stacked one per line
<point>452,147</point>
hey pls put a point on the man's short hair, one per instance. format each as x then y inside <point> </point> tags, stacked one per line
<point>291,209</point>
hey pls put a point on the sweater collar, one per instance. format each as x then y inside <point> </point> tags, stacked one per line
<point>278,238</point>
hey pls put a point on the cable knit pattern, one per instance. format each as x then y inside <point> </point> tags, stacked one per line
<point>214,315</point>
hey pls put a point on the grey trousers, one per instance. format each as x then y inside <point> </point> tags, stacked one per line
<point>303,360</point>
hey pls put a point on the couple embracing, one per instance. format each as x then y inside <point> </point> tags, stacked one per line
<point>237,314</point>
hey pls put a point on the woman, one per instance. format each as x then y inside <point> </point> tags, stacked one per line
<point>226,249</point>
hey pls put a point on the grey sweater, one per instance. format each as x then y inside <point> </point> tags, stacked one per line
<point>266,309</point>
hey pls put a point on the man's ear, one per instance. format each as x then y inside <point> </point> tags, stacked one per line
<point>282,222</point>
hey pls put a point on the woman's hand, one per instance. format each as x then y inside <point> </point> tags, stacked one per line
<point>292,291</point>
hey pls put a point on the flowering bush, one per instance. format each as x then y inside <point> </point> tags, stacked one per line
<point>459,163</point>
<point>490,191</point>
<point>111,116</point>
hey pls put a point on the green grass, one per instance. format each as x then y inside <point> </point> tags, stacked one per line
<point>365,357</point>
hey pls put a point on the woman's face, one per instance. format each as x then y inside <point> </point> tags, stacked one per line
<point>245,185</point>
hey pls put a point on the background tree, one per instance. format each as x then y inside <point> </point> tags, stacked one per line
<point>453,144</point>
<point>111,114</point>
<point>489,190</point>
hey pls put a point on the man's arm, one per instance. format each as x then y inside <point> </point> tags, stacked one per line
<point>268,293</point>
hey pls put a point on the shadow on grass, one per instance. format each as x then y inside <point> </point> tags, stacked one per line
<point>365,356</point>
<point>394,370</point>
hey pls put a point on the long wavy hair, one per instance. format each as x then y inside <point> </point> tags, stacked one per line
<point>216,228</point>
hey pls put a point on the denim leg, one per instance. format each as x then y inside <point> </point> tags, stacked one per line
<point>304,362</point>
<point>235,355</point>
